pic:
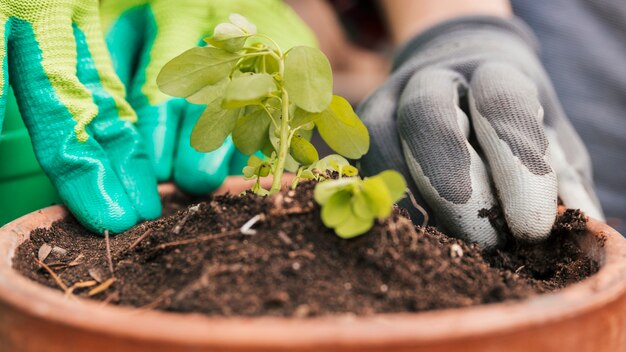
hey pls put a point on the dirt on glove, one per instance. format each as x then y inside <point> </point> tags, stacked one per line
<point>196,259</point>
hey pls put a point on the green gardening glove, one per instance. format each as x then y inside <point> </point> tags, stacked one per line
<point>73,105</point>
<point>143,35</point>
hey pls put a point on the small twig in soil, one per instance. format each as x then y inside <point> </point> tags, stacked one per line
<point>138,240</point>
<point>109,257</point>
<point>102,287</point>
<point>247,229</point>
<point>81,284</point>
<point>162,297</point>
<point>419,208</point>
<point>283,237</point>
<point>208,237</point>
<point>56,277</point>
<point>179,226</point>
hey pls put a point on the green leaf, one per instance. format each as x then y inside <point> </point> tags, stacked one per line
<point>194,69</point>
<point>308,78</point>
<point>248,90</point>
<point>332,162</point>
<point>254,161</point>
<point>337,209</point>
<point>210,94</point>
<point>303,151</point>
<point>301,118</point>
<point>232,45</point>
<point>212,128</point>
<point>308,174</point>
<point>249,172</point>
<point>325,190</point>
<point>349,170</point>
<point>377,194</point>
<point>360,206</point>
<point>251,131</point>
<point>396,185</point>
<point>342,130</point>
<point>353,226</point>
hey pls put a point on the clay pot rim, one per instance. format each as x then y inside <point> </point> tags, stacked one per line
<point>33,299</point>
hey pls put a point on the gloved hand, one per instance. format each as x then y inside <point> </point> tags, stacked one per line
<point>143,35</point>
<point>471,116</point>
<point>73,105</point>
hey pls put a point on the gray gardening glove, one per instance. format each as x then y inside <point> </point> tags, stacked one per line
<point>479,125</point>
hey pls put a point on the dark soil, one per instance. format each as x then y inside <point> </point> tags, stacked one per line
<point>195,259</point>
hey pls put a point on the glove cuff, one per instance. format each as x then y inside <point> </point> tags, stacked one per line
<point>514,26</point>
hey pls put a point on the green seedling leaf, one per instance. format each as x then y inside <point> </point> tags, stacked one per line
<point>212,128</point>
<point>303,151</point>
<point>243,23</point>
<point>302,118</point>
<point>353,226</point>
<point>254,161</point>
<point>194,69</point>
<point>249,172</point>
<point>361,207</point>
<point>325,190</point>
<point>248,90</point>
<point>308,78</point>
<point>211,94</point>
<point>379,199</point>
<point>342,129</point>
<point>308,174</point>
<point>396,185</point>
<point>232,36</point>
<point>337,209</point>
<point>251,131</point>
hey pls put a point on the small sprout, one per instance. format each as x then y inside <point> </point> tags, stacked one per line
<point>350,205</point>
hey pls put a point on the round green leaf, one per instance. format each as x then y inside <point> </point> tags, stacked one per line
<point>360,206</point>
<point>212,128</point>
<point>249,172</point>
<point>342,129</point>
<point>251,132</point>
<point>303,151</point>
<point>211,94</point>
<point>308,78</point>
<point>353,226</point>
<point>325,190</point>
<point>378,198</point>
<point>248,90</point>
<point>194,69</point>
<point>396,185</point>
<point>337,209</point>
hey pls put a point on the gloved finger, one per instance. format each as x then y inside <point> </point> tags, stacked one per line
<point>56,107</point>
<point>195,172</point>
<point>572,164</point>
<point>508,120</point>
<point>445,167</point>
<point>378,113</point>
<point>112,128</point>
<point>170,28</point>
<point>573,190</point>
<point>123,24</point>
<point>238,161</point>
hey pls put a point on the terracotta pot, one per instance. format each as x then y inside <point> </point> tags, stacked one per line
<point>588,316</point>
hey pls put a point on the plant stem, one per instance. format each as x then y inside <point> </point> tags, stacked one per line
<point>283,146</point>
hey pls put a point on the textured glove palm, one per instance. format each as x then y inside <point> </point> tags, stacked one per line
<point>479,126</point>
<point>143,35</point>
<point>73,105</point>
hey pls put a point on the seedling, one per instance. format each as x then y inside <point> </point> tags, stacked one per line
<point>267,98</point>
<point>351,204</point>
<point>270,100</point>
